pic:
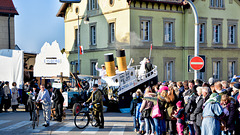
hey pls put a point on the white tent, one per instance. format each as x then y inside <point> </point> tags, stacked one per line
<point>11,66</point>
<point>50,62</point>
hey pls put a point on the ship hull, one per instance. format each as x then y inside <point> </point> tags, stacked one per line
<point>126,97</point>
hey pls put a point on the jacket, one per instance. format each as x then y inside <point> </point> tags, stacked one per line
<point>197,113</point>
<point>96,99</point>
<point>148,67</point>
<point>190,107</point>
<point>133,105</point>
<point>6,90</point>
<point>58,97</point>
<point>233,116</point>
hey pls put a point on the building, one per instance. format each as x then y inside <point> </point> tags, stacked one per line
<point>7,35</point>
<point>136,24</point>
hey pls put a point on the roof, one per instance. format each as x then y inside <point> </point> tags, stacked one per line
<point>7,7</point>
<point>61,11</point>
<point>174,2</point>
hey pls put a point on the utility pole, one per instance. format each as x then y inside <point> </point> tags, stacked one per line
<point>196,45</point>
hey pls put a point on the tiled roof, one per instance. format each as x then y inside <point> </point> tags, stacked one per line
<point>7,7</point>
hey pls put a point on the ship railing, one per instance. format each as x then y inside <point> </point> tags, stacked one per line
<point>143,75</point>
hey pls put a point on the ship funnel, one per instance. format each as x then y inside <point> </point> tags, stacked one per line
<point>109,64</point>
<point>121,60</point>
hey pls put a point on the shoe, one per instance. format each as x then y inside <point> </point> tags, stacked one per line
<point>101,127</point>
<point>44,124</point>
<point>96,125</point>
<point>30,119</point>
<point>47,125</point>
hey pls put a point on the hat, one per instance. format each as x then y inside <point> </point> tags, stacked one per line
<point>134,95</point>
<point>236,86</point>
<point>179,104</point>
<point>163,88</point>
<point>95,85</point>
<point>211,81</point>
<point>102,65</point>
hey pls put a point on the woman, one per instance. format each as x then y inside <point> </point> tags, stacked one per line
<point>15,95</point>
<point>171,107</point>
<point>159,122</point>
<point>146,109</point>
<point>211,115</point>
<point>197,113</point>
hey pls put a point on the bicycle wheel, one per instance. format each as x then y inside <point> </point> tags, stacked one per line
<point>81,120</point>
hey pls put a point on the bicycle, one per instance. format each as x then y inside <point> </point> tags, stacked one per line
<point>84,117</point>
<point>35,114</point>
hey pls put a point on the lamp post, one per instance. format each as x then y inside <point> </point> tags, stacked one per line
<point>196,43</point>
<point>78,45</point>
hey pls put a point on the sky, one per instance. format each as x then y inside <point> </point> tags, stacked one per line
<point>37,23</point>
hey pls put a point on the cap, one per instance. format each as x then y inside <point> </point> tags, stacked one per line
<point>95,85</point>
<point>236,86</point>
<point>179,104</point>
<point>163,88</point>
<point>102,65</point>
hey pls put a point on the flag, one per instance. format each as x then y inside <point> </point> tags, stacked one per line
<point>81,50</point>
<point>151,46</point>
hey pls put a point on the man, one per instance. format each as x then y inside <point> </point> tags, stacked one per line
<point>7,96</point>
<point>45,99</point>
<point>102,71</point>
<point>97,102</point>
<point>32,95</point>
<point>1,95</point>
<point>148,66</point>
<point>58,100</point>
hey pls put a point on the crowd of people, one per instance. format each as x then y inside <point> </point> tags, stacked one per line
<point>188,107</point>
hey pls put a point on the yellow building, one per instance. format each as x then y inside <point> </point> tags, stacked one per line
<point>136,24</point>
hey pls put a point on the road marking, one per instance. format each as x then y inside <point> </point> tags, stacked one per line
<point>90,130</point>
<point>40,127</point>
<point>65,128</point>
<point>4,121</point>
<point>117,129</point>
<point>16,126</point>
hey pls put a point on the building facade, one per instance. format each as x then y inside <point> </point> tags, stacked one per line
<point>7,32</point>
<point>168,25</point>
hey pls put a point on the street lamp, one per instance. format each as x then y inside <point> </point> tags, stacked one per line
<point>196,47</point>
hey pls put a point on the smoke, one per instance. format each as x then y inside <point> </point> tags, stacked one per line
<point>135,39</point>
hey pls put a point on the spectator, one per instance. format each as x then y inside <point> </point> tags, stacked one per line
<point>15,96</point>
<point>7,96</point>
<point>1,96</point>
<point>180,115</point>
<point>58,101</point>
<point>211,115</point>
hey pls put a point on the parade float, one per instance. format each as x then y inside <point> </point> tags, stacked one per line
<point>127,79</point>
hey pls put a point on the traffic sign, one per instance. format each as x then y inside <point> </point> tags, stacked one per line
<point>196,63</point>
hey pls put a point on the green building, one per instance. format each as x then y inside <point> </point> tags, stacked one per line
<point>134,25</point>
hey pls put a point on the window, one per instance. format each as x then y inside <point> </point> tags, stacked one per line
<point>145,25</point>
<point>112,32</point>
<point>93,35</point>
<point>169,69</point>
<point>216,33</point>
<point>202,33</point>
<point>93,4</point>
<point>201,75</point>
<point>93,69</point>
<point>231,34</point>
<point>111,2</point>
<point>217,4</point>
<point>216,70</point>
<point>231,69</point>
<point>168,31</point>
<point>75,37</point>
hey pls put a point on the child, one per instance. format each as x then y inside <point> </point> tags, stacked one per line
<point>179,114</point>
<point>139,118</point>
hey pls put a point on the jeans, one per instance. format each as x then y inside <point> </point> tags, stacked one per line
<point>46,113</point>
<point>149,125</point>
<point>191,129</point>
<point>160,126</point>
<point>134,122</point>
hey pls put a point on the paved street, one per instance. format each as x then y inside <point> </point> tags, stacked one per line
<point>18,123</point>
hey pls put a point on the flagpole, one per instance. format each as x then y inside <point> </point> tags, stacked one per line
<point>150,52</point>
<point>78,45</point>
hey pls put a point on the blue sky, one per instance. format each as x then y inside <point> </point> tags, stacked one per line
<point>37,23</point>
